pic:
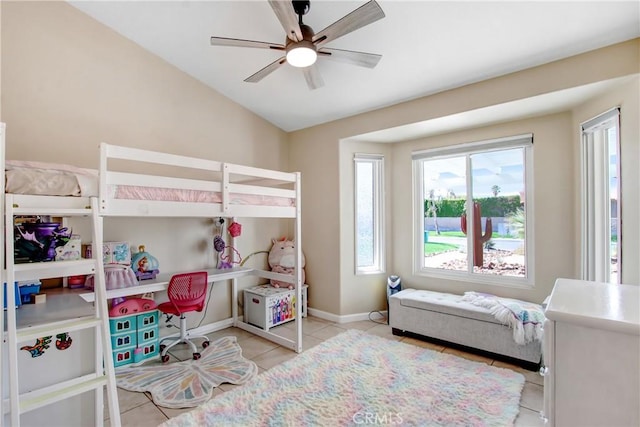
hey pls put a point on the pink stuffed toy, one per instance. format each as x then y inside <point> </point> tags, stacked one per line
<point>282,260</point>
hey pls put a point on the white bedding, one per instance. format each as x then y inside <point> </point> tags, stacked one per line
<point>49,179</point>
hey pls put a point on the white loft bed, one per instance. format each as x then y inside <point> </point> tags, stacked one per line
<point>229,190</point>
<point>177,189</point>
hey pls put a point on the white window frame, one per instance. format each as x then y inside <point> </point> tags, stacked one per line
<point>524,141</point>
<point>377,163</point>
<point>595,188</point>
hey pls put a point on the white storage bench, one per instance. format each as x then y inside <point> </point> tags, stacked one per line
<point>445,317</point>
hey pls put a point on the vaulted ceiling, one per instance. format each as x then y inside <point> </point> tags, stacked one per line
<point>426,47</point>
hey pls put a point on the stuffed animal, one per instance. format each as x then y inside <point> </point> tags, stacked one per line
<point>282,258</point>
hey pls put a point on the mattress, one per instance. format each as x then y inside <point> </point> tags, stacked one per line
<point>49,179</point>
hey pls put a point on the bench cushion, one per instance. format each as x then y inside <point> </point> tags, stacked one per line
<point>443,303</point>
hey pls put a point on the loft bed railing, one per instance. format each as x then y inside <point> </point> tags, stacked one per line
<point>228,190</point>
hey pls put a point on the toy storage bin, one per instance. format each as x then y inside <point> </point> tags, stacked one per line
<point>123,356</point>
<point>146,351</point>
<point>147,319</point>
<point>28,288</point>
<point>119,325</point>
<point>266,306</point>
<point>134,338</point>
<point>119,341</point>
<point>147,335</point>
<point>75,282</point>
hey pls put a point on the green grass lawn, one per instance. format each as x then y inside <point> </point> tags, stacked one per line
<point>431,248</point>
<point>448,233</point>
<point>461,234</point>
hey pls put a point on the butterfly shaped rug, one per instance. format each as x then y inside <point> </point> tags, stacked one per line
<point>190,383</point>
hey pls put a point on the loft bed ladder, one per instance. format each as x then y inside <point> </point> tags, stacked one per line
<point>103,376</point>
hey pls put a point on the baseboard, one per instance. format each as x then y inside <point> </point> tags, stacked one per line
<point>227,323</point>
<point>377,315</point>
<point>212,327</point>
<point>205,329</point>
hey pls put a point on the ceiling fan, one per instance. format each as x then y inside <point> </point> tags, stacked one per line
<point>302,46</point>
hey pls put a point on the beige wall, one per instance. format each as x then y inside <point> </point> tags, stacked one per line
<point>327,220</point>
<point>69,83</point>
<point>626,97</point>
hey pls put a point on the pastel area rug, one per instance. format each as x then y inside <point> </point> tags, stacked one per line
<point>356,378</point>
<point>190,383</point>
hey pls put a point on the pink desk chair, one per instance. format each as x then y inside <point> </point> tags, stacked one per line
<point>186,293</point>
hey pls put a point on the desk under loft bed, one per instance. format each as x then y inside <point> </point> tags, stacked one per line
<point>227,190</point>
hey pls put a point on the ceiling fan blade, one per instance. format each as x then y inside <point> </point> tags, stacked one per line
<point>313,77</point>
<point>364,15</point>
<point>255,78</point>
<point>363,59</point>
<point>288,18</point>
<point>224,41</point>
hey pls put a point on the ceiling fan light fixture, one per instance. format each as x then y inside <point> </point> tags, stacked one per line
<point>301,54</point>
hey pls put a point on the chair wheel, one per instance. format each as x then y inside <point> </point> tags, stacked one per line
<point>165,358</point>
<point>205,344</point>
<point>196,356</point>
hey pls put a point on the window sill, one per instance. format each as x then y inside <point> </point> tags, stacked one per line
<point>485,279</point>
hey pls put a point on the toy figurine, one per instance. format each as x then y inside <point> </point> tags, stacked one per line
<point>144,265</point>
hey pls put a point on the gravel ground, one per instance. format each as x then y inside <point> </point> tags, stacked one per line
<point>499,263</point>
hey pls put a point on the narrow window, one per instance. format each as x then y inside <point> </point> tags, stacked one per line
<point>472,211</point>
<point>601,221</point>
<point>369,208</point>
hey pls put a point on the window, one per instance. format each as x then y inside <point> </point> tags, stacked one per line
<point>473,212</point>
<point>601,237</point>
<point>369,208</point>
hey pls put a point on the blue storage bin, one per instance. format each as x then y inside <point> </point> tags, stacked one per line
<point>18,301</point>
<point>27,289</point>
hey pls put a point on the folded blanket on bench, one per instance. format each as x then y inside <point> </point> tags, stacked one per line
<point>525,318</point>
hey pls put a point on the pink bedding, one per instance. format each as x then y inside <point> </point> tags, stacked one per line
<point>132,192</point>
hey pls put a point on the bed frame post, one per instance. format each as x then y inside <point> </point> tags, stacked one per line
<point>297,238</point>
<point>102,178</point>
<point>225,188</point>
<point>2,278</point>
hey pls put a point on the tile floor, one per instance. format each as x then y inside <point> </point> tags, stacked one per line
<point>137,409</point>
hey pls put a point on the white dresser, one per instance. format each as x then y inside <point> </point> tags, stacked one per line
<point>592,355</point>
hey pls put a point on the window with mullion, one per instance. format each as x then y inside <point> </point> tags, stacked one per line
<point>472,210</point>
